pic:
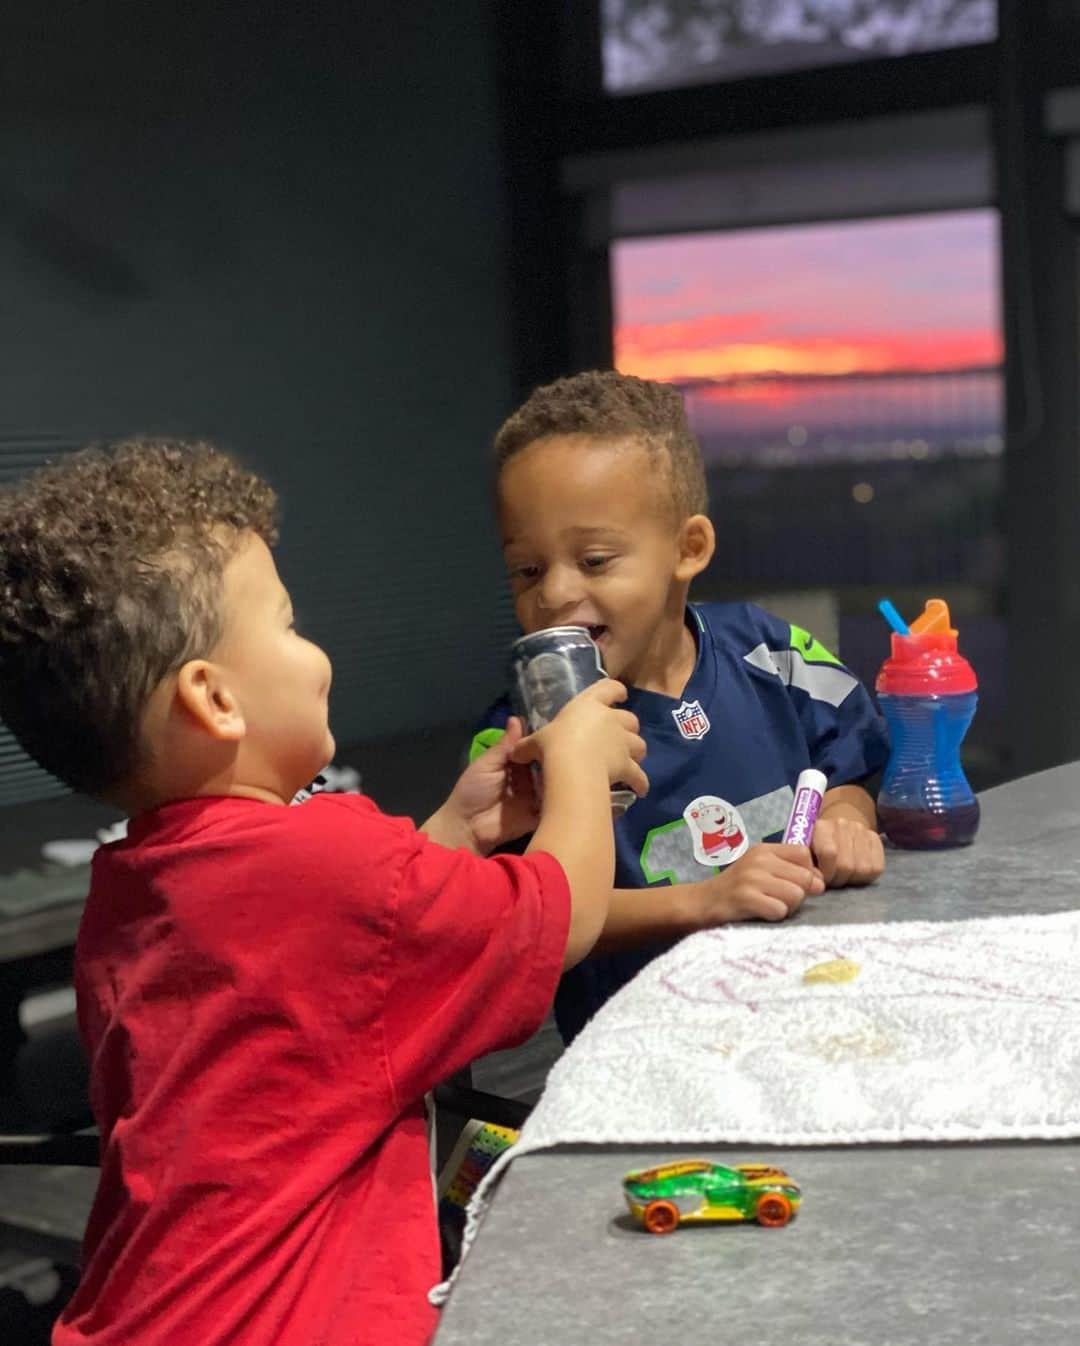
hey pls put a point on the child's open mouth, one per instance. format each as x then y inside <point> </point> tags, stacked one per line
<point>597,632</point>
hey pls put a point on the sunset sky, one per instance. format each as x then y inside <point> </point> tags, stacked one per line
<point>915,294</point>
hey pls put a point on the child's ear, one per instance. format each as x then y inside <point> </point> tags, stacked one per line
<point>697,542</point>
<point>205,695</point>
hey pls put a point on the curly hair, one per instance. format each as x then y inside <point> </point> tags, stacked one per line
<point>111,563</point>
<point>604,404</point>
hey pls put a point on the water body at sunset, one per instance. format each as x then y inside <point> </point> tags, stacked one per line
<point>866,339</point>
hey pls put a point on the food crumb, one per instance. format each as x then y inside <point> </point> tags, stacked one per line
<point>835,970</point>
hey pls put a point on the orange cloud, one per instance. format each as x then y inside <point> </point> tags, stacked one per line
<point>709,330</point>
<point>689,350</point>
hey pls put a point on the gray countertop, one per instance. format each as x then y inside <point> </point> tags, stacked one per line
<point>895,1245</point>
<point>1026,858</point>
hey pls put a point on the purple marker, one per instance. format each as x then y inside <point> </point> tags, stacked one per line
<point>809,792</point>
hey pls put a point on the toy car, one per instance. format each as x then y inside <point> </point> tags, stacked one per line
<point>693,1189</point>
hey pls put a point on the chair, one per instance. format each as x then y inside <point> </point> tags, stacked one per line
<point>47,1151</point>
<point>457,1096</point>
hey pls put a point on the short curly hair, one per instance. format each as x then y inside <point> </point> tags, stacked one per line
<point>607,405</point>
<point>111,563</point>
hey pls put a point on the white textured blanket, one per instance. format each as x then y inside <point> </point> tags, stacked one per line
<point>947,1031</point>
<point>966,1030</point>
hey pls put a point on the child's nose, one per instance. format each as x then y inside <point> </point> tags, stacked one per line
<point>560,587</point>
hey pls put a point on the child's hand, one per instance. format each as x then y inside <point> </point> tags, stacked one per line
<point>768,883</point>
<point>590,727</point>
<point>493,801</point>
<point>847,851</point>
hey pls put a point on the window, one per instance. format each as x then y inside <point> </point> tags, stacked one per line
<point>844,381</point>
<point>857,342</point>
<point>658,44</point>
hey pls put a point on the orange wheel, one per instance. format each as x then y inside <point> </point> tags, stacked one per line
<point>774,1209</point>
<point>661,1217</point>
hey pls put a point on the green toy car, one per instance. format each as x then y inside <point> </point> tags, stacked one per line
<point>693,1189</point>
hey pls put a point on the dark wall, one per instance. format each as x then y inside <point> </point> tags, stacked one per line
<point>280,227</point>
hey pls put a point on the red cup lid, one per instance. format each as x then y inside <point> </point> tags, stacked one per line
<point>927,664</point>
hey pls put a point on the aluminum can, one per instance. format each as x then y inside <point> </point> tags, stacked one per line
<point>548,669</point>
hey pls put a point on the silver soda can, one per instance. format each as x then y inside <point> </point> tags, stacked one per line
<point>548,669</point>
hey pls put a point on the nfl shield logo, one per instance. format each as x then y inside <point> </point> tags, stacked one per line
<point>691,719</point>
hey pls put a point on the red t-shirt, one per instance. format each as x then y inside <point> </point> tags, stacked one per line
<point>266,995</point>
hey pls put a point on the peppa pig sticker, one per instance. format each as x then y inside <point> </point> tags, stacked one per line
<point>718,831</point>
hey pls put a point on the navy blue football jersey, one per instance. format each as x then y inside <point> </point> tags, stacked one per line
<point>764,702</point>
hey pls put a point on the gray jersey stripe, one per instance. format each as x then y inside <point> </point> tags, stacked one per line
<point>670,850</point>
<point>767,813</point>
<point>822,682</point>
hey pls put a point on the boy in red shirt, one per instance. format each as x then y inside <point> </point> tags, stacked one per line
<point>267,992</point>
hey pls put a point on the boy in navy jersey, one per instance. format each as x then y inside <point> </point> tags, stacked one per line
<point>601,508</point>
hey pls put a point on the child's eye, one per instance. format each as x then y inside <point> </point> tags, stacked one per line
<point>524,572</point>
<point>596,562</point>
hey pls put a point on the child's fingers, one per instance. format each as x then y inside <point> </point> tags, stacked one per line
<point>789,891</point>
<point>877,853</point>
<point>823,843</point>
<point>628,720</point>
<point>793,863</point>
<point>607,691</point>
<point>869,857</point>
<point>765,908</point>
<point>810,882</point>
<point>847,852</point>
<point>775,876</point>
<point>502,752</point>
<point>637,746</point>
<point>521,782</point>
<point>636,779</point>
<point>784,850</point>
<point>834,853</point>
<point>525,750</point>
<point>787,873</point>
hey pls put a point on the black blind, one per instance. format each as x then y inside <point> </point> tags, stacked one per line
<point>21,779</point>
